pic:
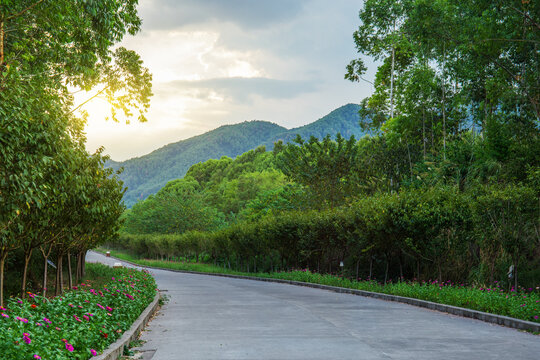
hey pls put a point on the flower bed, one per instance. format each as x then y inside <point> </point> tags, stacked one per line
<point>77,325</point>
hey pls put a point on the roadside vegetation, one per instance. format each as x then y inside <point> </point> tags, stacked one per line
<point>79,324</point>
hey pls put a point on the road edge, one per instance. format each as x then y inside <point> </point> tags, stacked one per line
<point>116,349</point>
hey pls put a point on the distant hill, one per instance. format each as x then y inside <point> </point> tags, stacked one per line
<point>147,174</point>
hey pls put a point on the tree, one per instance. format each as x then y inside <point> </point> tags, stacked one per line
<point>47,48</point>
<point>176,208</point>
<point>325,167</point>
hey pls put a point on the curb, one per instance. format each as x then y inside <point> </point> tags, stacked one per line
<point>449,309</point>
<point>116,349</point>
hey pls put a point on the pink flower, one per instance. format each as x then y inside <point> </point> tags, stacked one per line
<point>36,356</point>
<point>22,319</point>
<point>47,321</point>
<point>94,352</point>
<point>5,315</point>
<point>69,347</point>
<point>26,339</point>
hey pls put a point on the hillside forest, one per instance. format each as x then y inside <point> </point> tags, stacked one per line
<point>447,186</point>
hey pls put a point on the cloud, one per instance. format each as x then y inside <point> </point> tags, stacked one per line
<point>238,89</point>
<point>248,14</point>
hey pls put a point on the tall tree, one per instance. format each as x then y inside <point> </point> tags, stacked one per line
<point>47,48</point>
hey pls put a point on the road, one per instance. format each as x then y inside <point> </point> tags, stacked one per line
<point>210,317</point>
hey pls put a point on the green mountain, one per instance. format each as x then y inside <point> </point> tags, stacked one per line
<point>147,174</point>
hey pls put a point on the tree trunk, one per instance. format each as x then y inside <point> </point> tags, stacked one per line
<point>3,257</point>
<point>70,276</point>
<point>400,269</point>
<point>27,257</point>
<point>2,34</point>
<point>444,100</point>
<point>386,271</point>
<point>515,277</point>
<point>78,268</point>
<point>45,268</point>
<point>418,269</point>
<point>59,276</point>
<point>357,266</point>
<point>370,267</point>
<point>83,263</point>
<point>424,130</point>
<point>392,78</point>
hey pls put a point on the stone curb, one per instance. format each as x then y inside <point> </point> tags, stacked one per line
<point>116,349</point>
<point>454,310</point>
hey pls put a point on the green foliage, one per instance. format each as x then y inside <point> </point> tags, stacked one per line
<point>85,319</point>
<point>325,167</point>
<point>147,174</point>
<point>55,196</point>
<point>423,233</point>
<point>176,208</point>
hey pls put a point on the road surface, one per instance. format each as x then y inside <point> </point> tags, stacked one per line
<point>209,317</point>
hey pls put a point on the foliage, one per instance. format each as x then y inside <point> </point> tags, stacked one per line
<point>325,167</point>
<point>55,196</point>
<point>81,321</point>
<point>147,174</point>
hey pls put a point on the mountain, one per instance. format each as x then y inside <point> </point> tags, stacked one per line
<point>147,174</point>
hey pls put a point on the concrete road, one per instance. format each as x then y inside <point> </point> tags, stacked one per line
<point>211,317</point>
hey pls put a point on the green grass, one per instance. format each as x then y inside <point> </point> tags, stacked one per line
<point>521,303</point>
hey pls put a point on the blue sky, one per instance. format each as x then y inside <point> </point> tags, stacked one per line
<point>218,62</point>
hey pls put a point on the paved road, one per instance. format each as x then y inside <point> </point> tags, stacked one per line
<point>211,317</point>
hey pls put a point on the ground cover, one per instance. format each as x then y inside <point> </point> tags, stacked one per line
<point>79,324</point>
<point>518,303</point>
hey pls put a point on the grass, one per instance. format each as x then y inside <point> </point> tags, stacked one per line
<point>517,303</point>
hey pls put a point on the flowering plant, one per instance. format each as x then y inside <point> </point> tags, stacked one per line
<point>79,324</point>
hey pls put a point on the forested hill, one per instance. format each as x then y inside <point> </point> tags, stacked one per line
<point>147,174</point>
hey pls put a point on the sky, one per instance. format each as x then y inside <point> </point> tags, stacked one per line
<point>218,62</point>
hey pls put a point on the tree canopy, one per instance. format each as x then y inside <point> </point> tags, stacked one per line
<point>54,195</point>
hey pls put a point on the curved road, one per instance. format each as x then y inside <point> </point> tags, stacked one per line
<point>211,317</point>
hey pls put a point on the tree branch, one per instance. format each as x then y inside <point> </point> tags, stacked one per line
<point>23,11</point>
<point>88,100</point>
<point>527,16</point>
